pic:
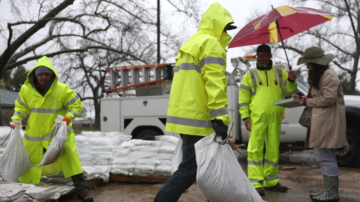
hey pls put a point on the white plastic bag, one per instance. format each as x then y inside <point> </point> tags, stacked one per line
<point>177,158</point>
<point>56,147</point>
<point>219,175</point>
<point>14,161</point>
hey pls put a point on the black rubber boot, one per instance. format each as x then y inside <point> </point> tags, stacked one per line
<point>81,188</point>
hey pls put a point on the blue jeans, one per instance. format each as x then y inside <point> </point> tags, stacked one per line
<point>185,176</point>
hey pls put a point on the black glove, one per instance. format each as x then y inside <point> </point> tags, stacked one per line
<point>219,128</point>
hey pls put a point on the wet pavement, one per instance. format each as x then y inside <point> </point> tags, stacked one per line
<point>302,177</point>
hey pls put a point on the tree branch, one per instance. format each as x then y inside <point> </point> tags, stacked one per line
<point>5,56</point>
<point>329,42</point>
<point>352,23</point>
<point>12,65</point>
<point>341,67</point>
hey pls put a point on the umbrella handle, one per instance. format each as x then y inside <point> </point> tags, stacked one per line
<point>282,42</point>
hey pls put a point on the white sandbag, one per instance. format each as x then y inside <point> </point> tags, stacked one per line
<point>121,172</point>
<point>14,160</point>
<point>92,134</point>
<point>151,143</point>
<point>167,138</point>
<point>147,161</point>
<point>41,191</point>
<point>123,167</point>
<point>177,157</point>
<point>55,193</point>
<point>102,149</point>
<point>117,152</point>
<point>133,156</point>
<point>164,156</point>
<point>100,141</point>
<point>126,145</point>
<point>167,149</point>
<point>122,137</point>
<point>97,172</point>
<point>163,169</point>
<point>11,192</point>
<point>219,175</point>
<point>144,168</point>
<point>57,144</point>
<point>80,139</point>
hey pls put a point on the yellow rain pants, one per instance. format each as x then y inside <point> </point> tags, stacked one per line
<point>259,90</point>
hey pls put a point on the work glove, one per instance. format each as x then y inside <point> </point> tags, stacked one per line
<point>219,128</point>
<point>15,123</point>
<point>67,119</point>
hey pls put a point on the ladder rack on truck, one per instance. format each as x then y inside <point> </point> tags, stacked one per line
<point>161,72</point>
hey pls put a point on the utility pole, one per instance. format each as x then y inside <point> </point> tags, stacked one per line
<point>158,31</point>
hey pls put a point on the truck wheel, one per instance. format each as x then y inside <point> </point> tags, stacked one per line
<point>350,154</point>
<point>147,135</point>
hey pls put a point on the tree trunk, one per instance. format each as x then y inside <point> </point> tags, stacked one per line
<point>10,50</point>
<point>1,117</point>
<point>97,114</point>
<point>354,73</point>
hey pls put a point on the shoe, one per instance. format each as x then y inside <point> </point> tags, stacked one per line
<point>260,191</point>
<point>85,197</point>
<point>330,192</point>
<point>278,187</point>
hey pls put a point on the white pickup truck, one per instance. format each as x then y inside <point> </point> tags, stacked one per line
<point>145,117</point>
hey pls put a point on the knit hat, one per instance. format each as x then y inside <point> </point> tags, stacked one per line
<point>315,55</point>
<point>43,69</point>
<point>264,49</point>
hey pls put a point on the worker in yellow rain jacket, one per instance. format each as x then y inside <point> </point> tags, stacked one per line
<point>259,89</point>
<point>198,99</point>
<point>44,97</point>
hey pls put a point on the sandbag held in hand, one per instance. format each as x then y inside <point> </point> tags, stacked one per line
<point>219,175</point>
<point>56,147</point>
<point>14,161</point>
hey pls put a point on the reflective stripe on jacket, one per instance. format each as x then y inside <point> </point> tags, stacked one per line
<point>60,99</point>
<point>275,80</point>
<point>198,91</point>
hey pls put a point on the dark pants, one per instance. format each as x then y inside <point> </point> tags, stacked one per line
<point>79,182</point>
<point>185,176</point>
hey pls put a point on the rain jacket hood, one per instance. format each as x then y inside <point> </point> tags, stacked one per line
<point>44,61</point>
<point>212,23</point>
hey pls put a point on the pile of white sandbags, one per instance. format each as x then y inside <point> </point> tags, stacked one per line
<point>29,192</point>
<point>95,148</point>
<point>144,157</point>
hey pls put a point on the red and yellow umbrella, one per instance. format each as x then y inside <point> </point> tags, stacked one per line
<point>291,21</point>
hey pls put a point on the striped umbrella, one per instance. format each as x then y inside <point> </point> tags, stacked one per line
<point>278,25</point>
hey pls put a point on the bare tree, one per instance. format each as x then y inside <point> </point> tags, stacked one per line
<point>12,47</point>
<point>340,36</point>
<point>91,21</point>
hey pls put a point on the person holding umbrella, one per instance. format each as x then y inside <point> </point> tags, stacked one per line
<point>259,89</point>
